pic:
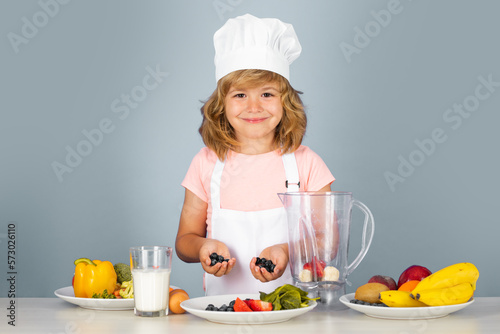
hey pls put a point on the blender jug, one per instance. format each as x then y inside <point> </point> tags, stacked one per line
<point>318,241</point>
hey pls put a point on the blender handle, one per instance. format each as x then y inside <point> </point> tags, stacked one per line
<point>365,240</point>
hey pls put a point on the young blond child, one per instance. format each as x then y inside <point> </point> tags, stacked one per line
<point>253,125</point>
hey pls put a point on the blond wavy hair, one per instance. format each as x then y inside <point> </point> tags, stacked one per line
<point>219,135</point>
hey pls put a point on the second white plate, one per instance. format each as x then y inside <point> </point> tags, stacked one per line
<point>196,306</point>
<point>412,313</point>
<point>68,295</point>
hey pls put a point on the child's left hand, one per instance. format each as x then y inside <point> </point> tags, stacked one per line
<point>276,253</point>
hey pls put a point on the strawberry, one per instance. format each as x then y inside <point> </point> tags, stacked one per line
<point>259,305</point>
<point>320,266</point>
<point>241,306</point>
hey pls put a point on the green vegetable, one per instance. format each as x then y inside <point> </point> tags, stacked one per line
<point>290,300</point>
<point>123,272</point>
<point>84,260</point>
<point>127,290</point>
<point>287,297</point>
<point>104,295</point>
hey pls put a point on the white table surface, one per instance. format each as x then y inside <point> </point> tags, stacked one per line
<point>53,315</point>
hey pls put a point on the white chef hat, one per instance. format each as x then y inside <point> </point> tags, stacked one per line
<point>248,42</point>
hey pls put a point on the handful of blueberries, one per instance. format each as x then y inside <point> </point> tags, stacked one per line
<point>266,264</point>
<point>223,308</point>
<point>216,258</point>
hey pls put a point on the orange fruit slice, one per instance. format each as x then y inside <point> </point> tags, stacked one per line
<point>409,286</point>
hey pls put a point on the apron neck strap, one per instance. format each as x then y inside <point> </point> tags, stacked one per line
<point>292,182</point>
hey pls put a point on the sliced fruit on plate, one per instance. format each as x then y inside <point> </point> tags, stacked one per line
<point>241,306</point>
<point>259,305</point>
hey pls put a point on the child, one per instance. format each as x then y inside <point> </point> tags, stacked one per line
<point>253,125</point>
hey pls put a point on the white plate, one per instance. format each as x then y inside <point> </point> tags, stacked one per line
<point>413,313</point>
<point>197,307</point>
<point>68,295</point>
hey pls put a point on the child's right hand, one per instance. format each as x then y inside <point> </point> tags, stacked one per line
<point>214,246</point>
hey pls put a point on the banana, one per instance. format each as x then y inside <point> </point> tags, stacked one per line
<point>395,298</point>
<point>450,276</point>
<point>458,294</point>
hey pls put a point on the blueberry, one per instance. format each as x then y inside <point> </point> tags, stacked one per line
<point>265,263</point>
<point>230,309</point>
<point>216,258</point>
<point>379,305</point>
<point>231,303</point>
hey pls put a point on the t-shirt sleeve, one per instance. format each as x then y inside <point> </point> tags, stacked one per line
<point>196,177</point>
<point>312,169</point>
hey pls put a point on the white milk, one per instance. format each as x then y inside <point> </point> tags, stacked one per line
<point>151,289</point>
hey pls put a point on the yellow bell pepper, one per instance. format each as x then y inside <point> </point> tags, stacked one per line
<point>93,277</point>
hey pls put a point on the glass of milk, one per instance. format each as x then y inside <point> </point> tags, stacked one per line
<point>151,267</point>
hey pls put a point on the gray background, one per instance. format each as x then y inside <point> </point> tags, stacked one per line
<point>366,112</point>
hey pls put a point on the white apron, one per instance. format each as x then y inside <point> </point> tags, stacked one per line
<point>246,234</point>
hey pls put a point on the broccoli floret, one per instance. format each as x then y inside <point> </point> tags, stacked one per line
<point>104,295</point>
<point>127,290</point>
<point>123,272</point>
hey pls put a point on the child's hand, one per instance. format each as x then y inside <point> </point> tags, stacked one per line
<point>214,246</point>
<point>279,255</point>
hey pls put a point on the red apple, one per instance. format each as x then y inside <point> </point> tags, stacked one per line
<point>413,273</point>
<point>386,280</point>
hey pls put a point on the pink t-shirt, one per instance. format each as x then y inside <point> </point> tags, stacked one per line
<point>251,182</point>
